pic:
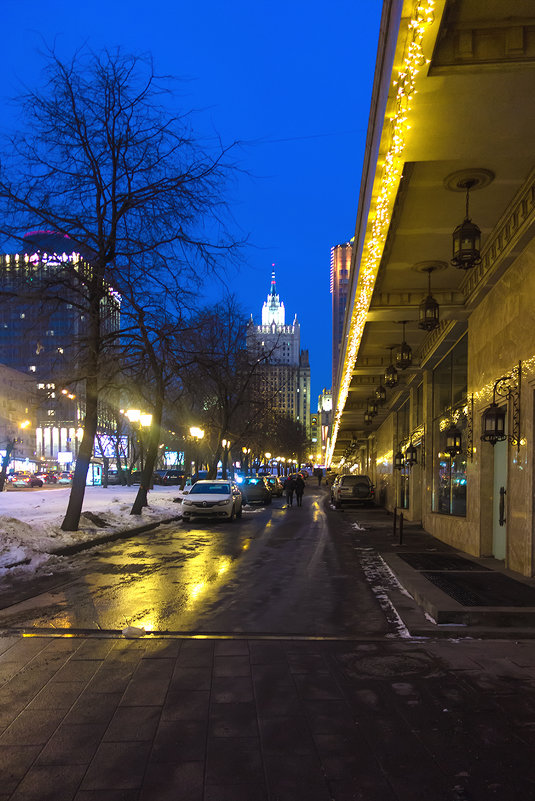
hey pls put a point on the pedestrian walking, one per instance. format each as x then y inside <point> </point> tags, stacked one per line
<point>299,489</point>
<point>289,489</point>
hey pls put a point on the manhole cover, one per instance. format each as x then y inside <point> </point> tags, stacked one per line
<point>439,561</point>
<point>490,589</point>
<point>386,666</point>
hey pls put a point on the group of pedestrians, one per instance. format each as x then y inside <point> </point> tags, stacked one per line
<point>294,484</point>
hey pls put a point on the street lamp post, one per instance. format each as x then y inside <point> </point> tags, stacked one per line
<point>197,434</point>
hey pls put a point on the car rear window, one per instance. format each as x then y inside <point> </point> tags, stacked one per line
<point>352,481</point>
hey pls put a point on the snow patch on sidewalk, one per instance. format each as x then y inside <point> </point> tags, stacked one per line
<point>30,521</point>
<point>381,580</point>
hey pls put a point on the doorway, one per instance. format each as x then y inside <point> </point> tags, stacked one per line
<point>499,502</point>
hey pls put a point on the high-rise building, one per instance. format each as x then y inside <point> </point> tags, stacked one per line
<point>42,328</point>
<point>340,267</point>
<point>285,377</point>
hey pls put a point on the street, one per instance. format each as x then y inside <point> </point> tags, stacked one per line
<point>275,571</point>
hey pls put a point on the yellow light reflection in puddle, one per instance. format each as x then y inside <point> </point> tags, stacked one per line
<point>246,545</point>
<point>216,571</point>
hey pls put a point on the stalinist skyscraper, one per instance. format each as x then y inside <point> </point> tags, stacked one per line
<point>285,378</point>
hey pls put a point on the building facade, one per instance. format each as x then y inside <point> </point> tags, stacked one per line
<point>285,376</point>
<point>435,391</point>
<point>340,269</point>
<point>18,406</point>
<point>42,329</point>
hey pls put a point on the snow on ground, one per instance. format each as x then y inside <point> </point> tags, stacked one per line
<point>30,520</point>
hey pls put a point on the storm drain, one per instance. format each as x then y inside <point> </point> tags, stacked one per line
<point>439,561</point>
<point>477,589</point>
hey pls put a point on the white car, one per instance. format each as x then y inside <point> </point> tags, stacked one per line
<point>218,497</point>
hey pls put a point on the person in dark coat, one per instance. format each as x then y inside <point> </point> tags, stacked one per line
<point>289,489</point>
<point>299,489</point>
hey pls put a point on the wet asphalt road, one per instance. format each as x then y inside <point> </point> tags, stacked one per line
<point>277,571</point>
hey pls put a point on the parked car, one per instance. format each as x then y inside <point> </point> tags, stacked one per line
<point>212,498</point>
<point>64,478</point>
<point>169,477</point>
<point>27,481</point>
<point>352,489</point>
<point>48,478</point>
<point>255,489</point>
<point>275,485</point>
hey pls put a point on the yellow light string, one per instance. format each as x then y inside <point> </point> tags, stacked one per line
<point>392,170</point>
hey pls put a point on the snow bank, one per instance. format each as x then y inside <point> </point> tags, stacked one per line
<point>30,520</point>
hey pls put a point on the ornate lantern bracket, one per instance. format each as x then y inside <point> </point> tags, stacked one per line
<point>493,419</point>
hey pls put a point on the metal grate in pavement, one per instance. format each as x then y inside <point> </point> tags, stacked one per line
<point>488,589</point>
<point>439,561</point>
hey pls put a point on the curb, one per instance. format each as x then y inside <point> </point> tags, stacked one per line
<point>68,550</point>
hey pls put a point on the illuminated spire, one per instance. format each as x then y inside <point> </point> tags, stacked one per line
<point>273,309</point>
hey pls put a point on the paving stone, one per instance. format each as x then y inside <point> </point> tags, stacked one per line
<point>107,795</point>
<point>233,720</point>
<point>6,643</point>
<point>25,649</point>
<point>234,760</point>
<point>145,693</point>
<point>371,788</point>
<point>295,790</point>
<point>179,741</point>
<point>191,678</point>
<point>117,766</point>
<point>77,670</point>
<point>57,695</point>
<point>254,791</point>
<point>33,727</point>
<point>162,649</point>
<point>72,744</point>
<point>172,782</point>
<point>344,758</point>
<point>94,649</point>
<point>232,666</point>
<point>317,686</point>
<point>93,708</point>
<point>286,735</point>
<point>329,717</point>
<point>227,690</point>
<point>186,705</point>
<point>49,783</point>
<point>15,760</point>
<point>266,653</point>
<point>231,648</point>
<point>133,723</point>
<point>307,663</point>
<point>195,653</point>
<point>111,678</point>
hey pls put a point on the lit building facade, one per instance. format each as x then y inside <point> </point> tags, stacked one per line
<point>446,216</point>
<point>18,405</point>
<point>285,377</point>
<point>340,270</point>
<point>42,331</point>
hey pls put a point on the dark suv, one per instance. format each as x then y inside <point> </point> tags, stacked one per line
<point>169,477</point>
<point>352,489</point>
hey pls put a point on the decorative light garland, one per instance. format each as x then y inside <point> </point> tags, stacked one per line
<point>391,175</point>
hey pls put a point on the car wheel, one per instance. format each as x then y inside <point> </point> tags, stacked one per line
<point>232,515</point>
<point>239,512</point>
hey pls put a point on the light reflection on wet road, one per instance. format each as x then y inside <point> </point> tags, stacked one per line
<point>275,571</point>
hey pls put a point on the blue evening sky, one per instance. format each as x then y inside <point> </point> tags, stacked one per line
<point>291,79</point>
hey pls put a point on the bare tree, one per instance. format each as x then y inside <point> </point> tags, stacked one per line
<point>104,162</point>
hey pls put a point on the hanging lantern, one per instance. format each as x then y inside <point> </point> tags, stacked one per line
<point>367,418</point>
<point>380,394</point>
<point>429,309</point>
<point>454,441</point>
<point>372,407</point>
<point>411,455</point>
<point>493,424</point>
<point>399,461</point>
<point>404,354</point>
<point>391,374</point>
<point>466,238</point>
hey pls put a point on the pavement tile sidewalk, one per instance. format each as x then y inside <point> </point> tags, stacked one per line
<point>274,720</point>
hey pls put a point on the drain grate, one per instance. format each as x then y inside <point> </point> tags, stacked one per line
<point>439,561</point>
<point>477,589</point>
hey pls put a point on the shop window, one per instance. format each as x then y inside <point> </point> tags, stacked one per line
<point>404,473</point>
<point>449,406</point>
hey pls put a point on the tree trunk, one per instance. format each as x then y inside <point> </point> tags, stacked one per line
<point>5,462</point>
<point>71,520</point>
<point>150,460</point>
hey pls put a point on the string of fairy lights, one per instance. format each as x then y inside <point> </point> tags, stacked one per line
<point>404,86</point>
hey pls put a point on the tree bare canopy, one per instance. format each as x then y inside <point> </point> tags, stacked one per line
<point>105,163</point>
